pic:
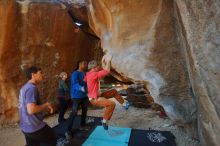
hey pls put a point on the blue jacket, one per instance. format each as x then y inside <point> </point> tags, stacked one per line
<point>76,85</point>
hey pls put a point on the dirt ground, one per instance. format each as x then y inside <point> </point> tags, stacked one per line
<point>133,118</point>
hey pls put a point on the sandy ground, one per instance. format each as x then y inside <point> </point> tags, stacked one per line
<point>133,118</point>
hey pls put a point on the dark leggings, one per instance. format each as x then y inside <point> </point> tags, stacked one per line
<point>63,107</point>
<point>83,102</point>
<point>42,137</point>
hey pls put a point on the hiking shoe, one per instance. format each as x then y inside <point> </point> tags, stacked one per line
<point>68,135</point>
<point>126,106</point>
<point>105,126</point>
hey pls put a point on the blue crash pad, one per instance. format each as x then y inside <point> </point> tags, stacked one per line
<point>114,136</point>
<point>93,142</point>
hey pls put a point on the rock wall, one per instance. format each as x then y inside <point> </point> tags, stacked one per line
<point>141,35</point>
<point>39,33</point>
<point>174,47</point>
<point>199,31</point>
<point>171,45</point>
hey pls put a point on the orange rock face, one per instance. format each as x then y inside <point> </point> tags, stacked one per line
<point>39,33</point>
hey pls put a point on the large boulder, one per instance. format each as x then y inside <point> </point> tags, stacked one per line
<point>142,38</point>
<point>37,33</point>
<point>199,33</point>
<point>173,46</point>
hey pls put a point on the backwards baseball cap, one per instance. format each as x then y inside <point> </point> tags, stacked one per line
<point>92,64</point>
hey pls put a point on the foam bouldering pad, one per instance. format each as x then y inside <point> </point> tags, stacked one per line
<point>114,136</point>
<point>95,142</point>
<point>151,138</point>
<point>79,136</point>
<point>96,135</point>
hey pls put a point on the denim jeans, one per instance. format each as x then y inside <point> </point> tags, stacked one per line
<point>77,102</point>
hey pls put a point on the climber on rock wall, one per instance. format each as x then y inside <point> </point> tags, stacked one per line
<point>102,99</point>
